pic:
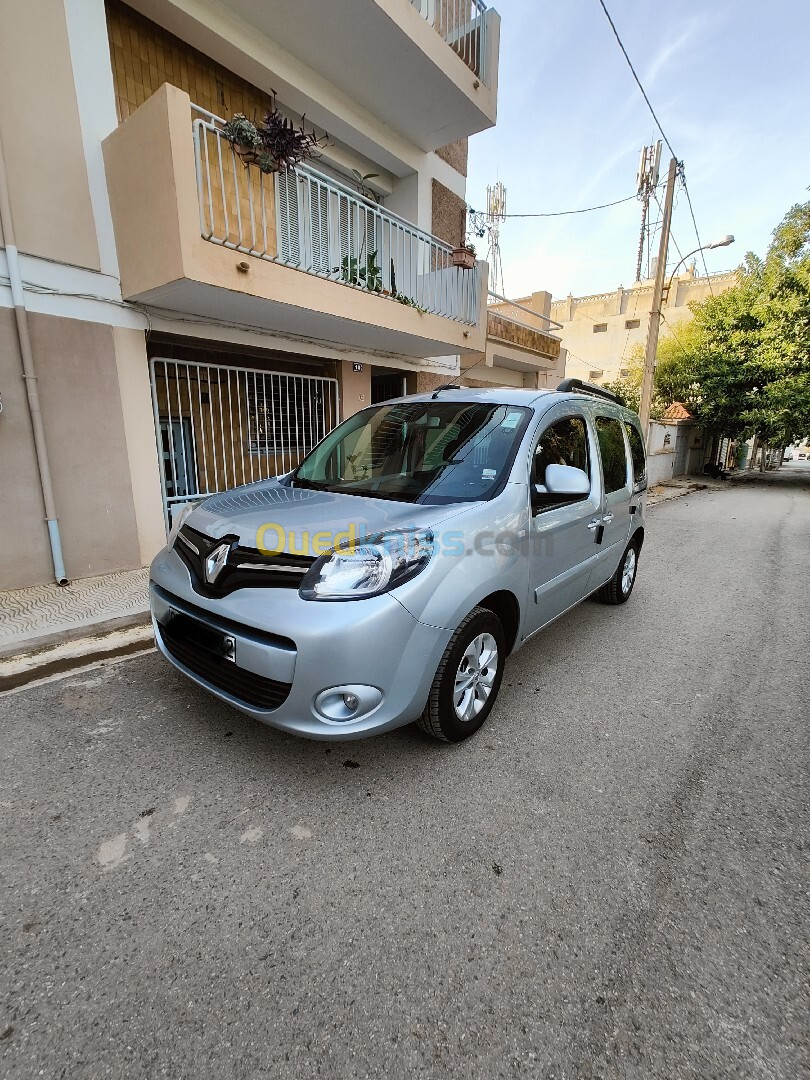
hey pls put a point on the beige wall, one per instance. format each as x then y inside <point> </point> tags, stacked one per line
<point>354,388</point>
<point>84,425</point>
<point>609,351</point>
<point>42,138</point>
<point>139,434</point>
<point>24,550</point>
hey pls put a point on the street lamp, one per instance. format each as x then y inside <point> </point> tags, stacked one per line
<point>724,242</point>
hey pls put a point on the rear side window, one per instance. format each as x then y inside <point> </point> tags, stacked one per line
<point>612,450</point>
<point>637,454</point>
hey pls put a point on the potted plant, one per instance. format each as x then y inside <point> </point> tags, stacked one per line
<point>274,144</point>
<point>464,257</point>
<point>244,136</point>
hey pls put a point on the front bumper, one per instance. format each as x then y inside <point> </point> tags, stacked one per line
<point>287,650</point>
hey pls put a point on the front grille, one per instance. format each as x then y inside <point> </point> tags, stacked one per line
<point>244,568</point>
<point>246,686</point>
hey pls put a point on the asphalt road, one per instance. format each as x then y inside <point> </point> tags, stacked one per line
<point>609,880</point>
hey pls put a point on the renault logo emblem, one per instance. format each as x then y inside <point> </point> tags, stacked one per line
<point>215,561</point>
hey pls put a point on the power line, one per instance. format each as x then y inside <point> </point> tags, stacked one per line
<point>694,222</point>
<point>638,80</point>
<point>663,134</point>
<point>566,213</point>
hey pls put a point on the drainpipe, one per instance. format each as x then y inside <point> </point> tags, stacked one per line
<point>29,376</point>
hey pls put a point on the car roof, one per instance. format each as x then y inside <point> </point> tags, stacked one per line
<point>507,395</point>
<point>501,395</point>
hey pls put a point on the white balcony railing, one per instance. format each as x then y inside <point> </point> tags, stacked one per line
<point>462,24</point>
<point>309,221</point>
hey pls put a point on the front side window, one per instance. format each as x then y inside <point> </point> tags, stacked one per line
<point>613,453</point>
<point>562,443</point>
<point>421,452</point>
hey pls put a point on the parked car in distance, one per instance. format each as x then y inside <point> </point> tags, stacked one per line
<point>387,578</point>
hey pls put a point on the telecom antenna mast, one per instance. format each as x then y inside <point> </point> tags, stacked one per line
<point>646,183</point>
<point>496,213</point>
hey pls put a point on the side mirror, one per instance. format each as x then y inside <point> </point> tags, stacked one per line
<point>563,484</point>
<point>566,480</point>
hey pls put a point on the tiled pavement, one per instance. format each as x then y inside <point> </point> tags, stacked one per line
<point>43,610</point>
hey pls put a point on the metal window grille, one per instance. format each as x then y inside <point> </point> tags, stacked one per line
<point>219,426</point>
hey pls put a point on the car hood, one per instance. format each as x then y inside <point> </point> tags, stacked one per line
<point>273,516</point>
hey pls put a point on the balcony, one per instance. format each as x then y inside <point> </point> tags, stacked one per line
<point>428,69</point>
<point>519,348</point>
<point>296,253</point>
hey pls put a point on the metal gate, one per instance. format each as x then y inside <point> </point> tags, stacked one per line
<point>219,426</point>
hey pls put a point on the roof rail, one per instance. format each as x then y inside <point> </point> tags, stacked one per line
<point>577,386</point>
<point>444,386</point>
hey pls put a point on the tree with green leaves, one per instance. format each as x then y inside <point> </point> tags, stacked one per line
<point>742,365</point>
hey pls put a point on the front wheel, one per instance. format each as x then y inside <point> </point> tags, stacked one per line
<point>618,589</point>
<point>467,679</point>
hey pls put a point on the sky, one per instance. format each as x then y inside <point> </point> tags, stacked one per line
<point>730,83</point>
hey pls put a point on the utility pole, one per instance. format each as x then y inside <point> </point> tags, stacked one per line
<point>655,314</point>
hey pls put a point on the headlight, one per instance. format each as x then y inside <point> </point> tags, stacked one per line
<point>369,568</point>
<point>177,523</point>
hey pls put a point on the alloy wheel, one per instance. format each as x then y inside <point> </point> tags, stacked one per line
<point>475,677</point>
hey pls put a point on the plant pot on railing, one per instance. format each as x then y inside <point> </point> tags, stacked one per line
<point>464,257</point>
<point>272,145</point>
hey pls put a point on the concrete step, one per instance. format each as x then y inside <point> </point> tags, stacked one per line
<point>23,662</point>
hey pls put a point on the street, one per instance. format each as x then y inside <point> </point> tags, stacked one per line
<point>609,880</point>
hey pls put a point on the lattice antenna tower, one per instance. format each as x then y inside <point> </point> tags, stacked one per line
<point>496,213</point>
<point>646,181</point>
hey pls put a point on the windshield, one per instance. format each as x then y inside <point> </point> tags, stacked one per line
<point>423,451</point>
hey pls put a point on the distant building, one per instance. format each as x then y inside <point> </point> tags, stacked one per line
<point>598,332</point>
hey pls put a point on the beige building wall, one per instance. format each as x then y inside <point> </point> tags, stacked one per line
<point>599,332</point>
<point>42,137</point>
<point>84,425</point>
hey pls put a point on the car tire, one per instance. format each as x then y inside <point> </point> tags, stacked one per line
<point>467,679</point>
<point>620,586</point>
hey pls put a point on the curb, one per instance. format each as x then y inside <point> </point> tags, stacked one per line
<point>58,654</point>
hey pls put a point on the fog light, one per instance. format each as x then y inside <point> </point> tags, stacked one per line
<point>346,704</point>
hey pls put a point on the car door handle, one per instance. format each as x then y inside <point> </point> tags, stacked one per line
<point>607,518</point>
<point>594,524</point>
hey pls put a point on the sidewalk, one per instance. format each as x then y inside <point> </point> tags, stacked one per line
<point>682,485</point>
<point>47,629</point>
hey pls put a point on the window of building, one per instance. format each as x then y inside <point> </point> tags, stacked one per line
<point>600,328</point>
<point>632,324</point>
<point>624,373</point>
<point>595,374</point>
<point>614,455</point>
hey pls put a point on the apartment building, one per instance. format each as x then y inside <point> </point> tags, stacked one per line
<point>599,332</point>
<point>182,322</point>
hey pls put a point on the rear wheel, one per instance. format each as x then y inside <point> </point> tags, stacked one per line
<point>618,589</point>
<point>467,679</point>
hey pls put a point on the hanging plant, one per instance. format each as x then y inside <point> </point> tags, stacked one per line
<point>274,144</point>
<point>243,133</point>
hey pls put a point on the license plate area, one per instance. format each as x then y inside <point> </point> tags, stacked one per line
<point>183,628</point>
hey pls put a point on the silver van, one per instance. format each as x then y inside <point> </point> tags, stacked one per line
<point>387,578</point>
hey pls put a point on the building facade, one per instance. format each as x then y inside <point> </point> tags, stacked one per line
<point>174,322</point>
<point>599,332</point>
